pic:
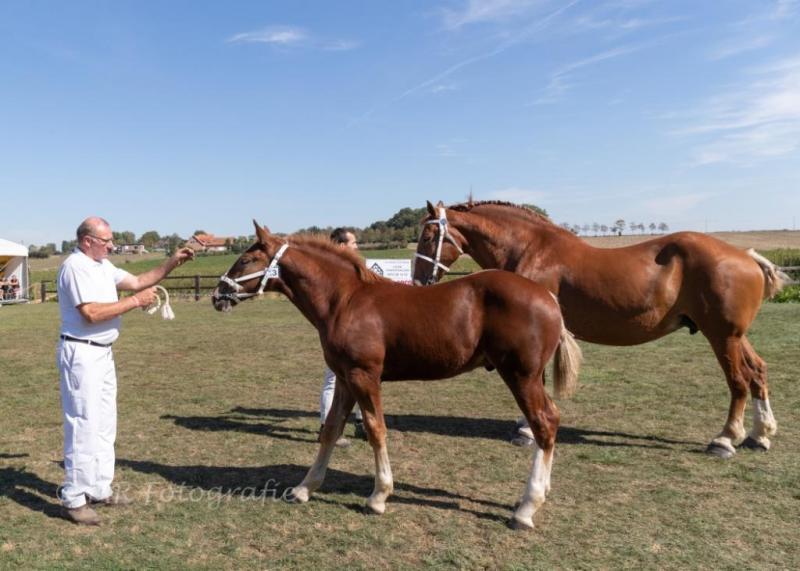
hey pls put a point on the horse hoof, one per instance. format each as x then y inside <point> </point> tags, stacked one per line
<point>297,495</point>
<point>370,509</point>
<point>752,444</point>
<point>719,451</point>
<point>521,525</point>
<point>523,441</point>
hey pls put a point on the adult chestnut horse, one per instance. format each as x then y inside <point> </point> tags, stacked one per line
<point>625,296</point>
<point>374,330</point>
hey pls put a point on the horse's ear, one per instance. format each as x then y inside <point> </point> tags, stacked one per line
<point>261,233</point>
<point>431,209</point>
<point>440,204</point>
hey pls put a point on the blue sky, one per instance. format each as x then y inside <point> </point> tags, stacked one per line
<point>180,115</point>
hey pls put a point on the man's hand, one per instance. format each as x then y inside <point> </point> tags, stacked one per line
<point>147,297</point>
<point>183,255</point>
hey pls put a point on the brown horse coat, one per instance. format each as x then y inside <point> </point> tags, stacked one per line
<point>631,295</point>
<point>374,330</point>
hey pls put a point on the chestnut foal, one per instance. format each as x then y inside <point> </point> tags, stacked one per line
<point>374,330</point>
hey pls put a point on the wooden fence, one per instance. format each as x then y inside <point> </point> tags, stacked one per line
<point>197,286</point>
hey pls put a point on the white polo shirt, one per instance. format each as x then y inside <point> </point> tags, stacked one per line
<point>83,280</point>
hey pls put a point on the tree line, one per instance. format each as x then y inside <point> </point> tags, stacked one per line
<point>615,229</point>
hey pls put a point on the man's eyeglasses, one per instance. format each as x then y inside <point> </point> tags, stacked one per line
<point>105,241</point>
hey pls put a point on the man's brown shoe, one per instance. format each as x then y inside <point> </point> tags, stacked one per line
<point>83,515</point>
<point>114,500</point>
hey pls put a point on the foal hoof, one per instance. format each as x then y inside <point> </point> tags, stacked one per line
<point>520,524</point>
<point>719,451</point>
<point>297,495</point>
<point>752,444</point>
<point>372,509</point>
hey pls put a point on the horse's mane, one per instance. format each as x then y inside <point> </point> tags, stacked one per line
<point>323,244</point>
<point>517,209</point>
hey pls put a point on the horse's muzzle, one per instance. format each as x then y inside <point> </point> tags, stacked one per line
<point>222,301</point>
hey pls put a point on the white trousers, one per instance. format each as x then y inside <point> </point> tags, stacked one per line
<point>89,406</point>
<point>326,397</point>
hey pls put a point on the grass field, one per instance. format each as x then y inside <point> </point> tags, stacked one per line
<point>218,415</point>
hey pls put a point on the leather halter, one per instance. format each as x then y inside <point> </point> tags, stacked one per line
<point>444,234</point>
<point>269,272</point>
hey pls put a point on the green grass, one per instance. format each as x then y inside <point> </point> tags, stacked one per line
<point>783,256</point>
<point>211,405</point>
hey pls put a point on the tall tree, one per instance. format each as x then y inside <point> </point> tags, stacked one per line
<point>149,239</point>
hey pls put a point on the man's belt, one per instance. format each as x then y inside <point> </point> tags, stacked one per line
<point>87,341</point>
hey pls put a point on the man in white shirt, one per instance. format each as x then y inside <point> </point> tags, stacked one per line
<point>345,239</point>
<point>90,318</point>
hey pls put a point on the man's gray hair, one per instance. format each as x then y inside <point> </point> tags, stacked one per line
<point>89,226</point>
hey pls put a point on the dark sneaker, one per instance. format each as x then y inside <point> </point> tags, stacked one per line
<point>360,431</point>
<point>83,515</point>
<point>114,500</point>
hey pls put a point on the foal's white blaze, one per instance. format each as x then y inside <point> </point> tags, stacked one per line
<point>533,497</point>
<point>384,483</point>
<point>764,423</point>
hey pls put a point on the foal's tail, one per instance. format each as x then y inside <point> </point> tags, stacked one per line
<point>774,279</point>
<point>566,364</point>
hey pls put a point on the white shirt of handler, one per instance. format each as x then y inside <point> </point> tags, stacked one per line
<point>83,280</point>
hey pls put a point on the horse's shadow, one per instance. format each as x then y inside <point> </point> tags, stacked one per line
<point>26,489</point>
<point>271,422</point>
<point>273,483</point>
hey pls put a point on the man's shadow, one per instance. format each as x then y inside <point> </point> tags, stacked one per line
<point>273,483</point>
<point>27,489</point>
<point>272,422</point>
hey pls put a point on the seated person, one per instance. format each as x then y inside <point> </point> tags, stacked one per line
<point>13,285</point>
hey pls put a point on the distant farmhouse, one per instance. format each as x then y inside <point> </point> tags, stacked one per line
<point>208,243</point>
<point>130,249</point>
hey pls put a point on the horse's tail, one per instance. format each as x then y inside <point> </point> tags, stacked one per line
<point>774,279</point>
<point>566,365</point>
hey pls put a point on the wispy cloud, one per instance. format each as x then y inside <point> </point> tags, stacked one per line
<point>446,150</point>
<point>785,9</point>
<point>284,36</point>
<point>443,88</point>
<point>750,121</point>
<point>739,46</point>
<point>290,37</point>
<point>559,81</point>
<point>341,45</point>
<point>482,11</point>
<point>437,79</point>
<point>592,23</point>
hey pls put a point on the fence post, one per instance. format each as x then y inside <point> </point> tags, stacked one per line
<point>44,291</point>
<point>197,287</point>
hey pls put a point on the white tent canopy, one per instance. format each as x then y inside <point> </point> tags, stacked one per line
<point>14,262</point>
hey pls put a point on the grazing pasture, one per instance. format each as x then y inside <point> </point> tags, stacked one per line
<point>218,417</point>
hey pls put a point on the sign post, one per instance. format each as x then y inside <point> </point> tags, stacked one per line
<point>395,270</point>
